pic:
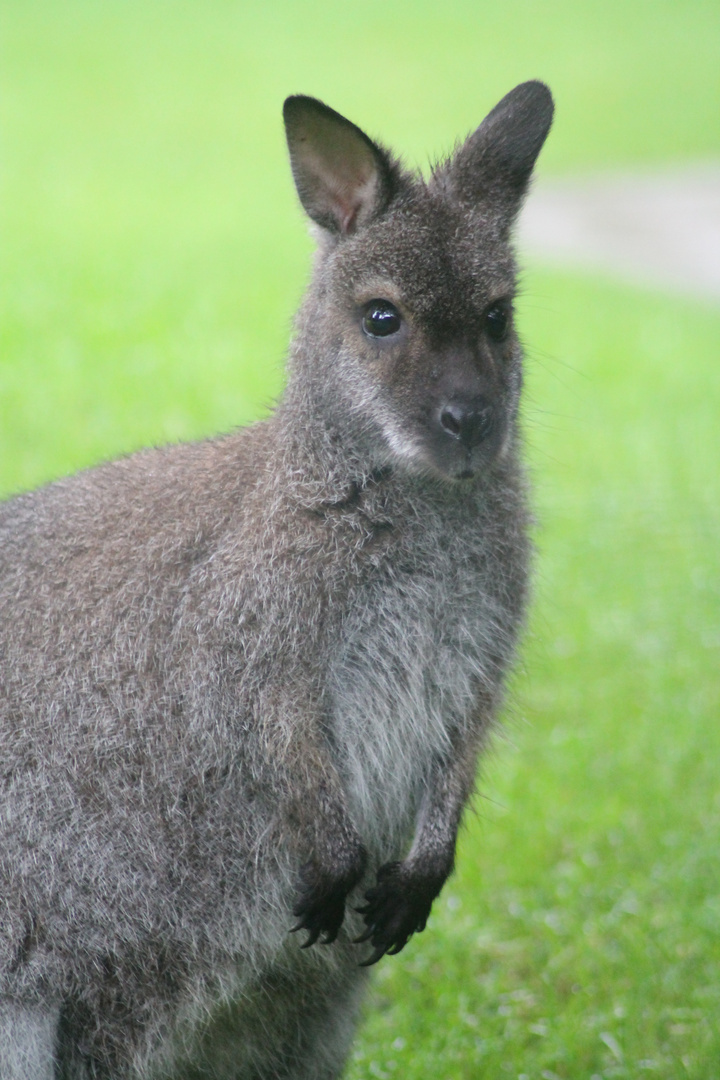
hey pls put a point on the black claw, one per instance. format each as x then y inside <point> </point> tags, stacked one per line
<point>377,954</point>
<point>365,936</point>
<point>312,938</point>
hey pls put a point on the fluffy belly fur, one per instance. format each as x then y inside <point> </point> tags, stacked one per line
<point>398,698</point>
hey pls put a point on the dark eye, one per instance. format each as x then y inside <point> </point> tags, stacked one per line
<point>497,320</point>
<point>381,319</point>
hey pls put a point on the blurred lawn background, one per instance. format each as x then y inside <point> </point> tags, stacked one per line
<point>152,256</point>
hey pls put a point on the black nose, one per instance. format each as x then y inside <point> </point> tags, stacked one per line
<point>468,421</point>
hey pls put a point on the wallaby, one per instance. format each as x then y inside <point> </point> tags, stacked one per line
<point>244,682</point>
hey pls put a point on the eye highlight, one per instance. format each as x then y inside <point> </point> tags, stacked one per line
<point>497,322</point>
<point>381,319</point>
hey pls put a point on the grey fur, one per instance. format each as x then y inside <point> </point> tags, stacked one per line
<point>251,676</point>
<point>27,1042</point>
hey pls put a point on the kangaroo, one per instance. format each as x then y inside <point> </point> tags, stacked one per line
<point>244,682</point>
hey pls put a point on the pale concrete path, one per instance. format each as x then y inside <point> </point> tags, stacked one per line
<point>660,228</point>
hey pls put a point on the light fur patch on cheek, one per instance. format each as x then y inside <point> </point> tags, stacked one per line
<point>404,446</point>
<point>395,441</point>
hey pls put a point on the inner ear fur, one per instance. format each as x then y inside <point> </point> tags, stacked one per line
<point>495,163</point>
<point>342,177</point>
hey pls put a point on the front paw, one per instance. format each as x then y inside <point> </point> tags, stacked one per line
<point>320,908</point>
<point>397,907</point>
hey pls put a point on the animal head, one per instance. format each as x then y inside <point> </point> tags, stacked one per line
<point>406,342</point>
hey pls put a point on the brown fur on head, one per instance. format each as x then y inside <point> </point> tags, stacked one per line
<point>417,360</point>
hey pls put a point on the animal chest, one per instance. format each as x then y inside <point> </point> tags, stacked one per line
<point>414,649</point>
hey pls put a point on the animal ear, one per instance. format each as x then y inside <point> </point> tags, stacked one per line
<point>494,164</point>
<point>342,177</point>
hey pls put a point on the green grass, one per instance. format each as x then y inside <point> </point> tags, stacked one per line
<point>152,255</point>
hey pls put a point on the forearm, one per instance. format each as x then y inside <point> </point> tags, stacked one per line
<point>449,789</point>
<point>312,810</point>
<point>399,904</point>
